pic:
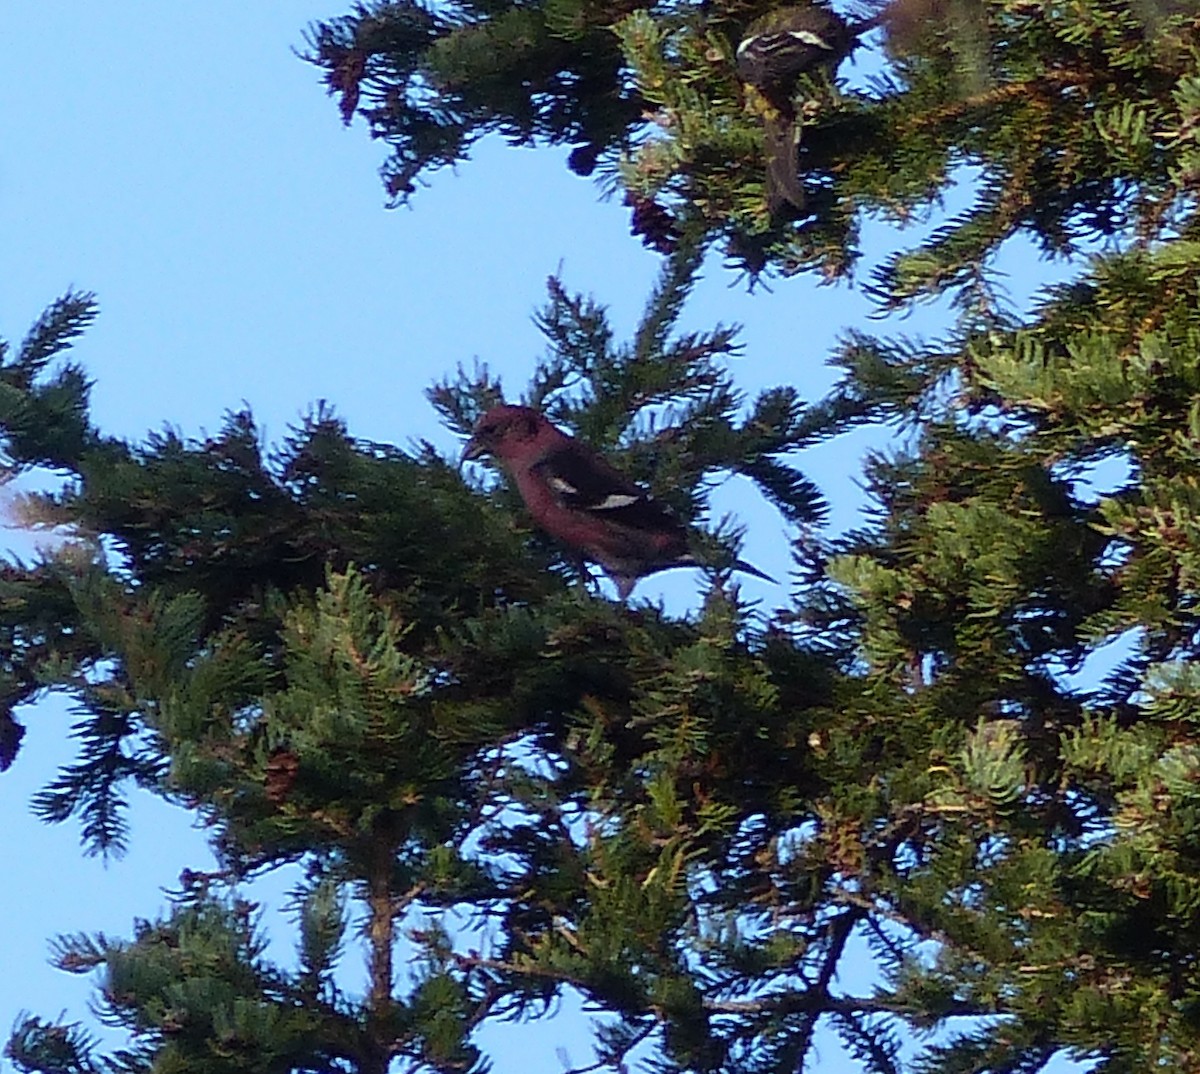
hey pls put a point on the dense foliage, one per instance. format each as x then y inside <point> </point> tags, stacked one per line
<point>347,656</point>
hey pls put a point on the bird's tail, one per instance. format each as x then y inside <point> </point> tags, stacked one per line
<point>717,562</point>
<point>749,568</point>
<point>781,141</point>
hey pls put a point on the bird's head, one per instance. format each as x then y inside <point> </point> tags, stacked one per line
<point>505,431</point>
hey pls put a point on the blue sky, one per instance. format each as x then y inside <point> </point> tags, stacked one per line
<point>181,162</point>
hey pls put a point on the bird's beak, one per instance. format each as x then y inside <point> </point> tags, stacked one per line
<point>474,450</point>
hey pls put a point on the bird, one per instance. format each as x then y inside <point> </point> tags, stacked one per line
<point>576,496</point>
<point>775,51</point>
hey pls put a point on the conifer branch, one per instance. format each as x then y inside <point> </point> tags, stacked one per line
<point>1032,88</point>
<point>812,1002</point>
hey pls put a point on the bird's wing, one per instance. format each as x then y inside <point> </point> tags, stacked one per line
<point>583,481</point>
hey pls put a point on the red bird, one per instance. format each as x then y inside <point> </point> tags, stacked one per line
<point>577,497</point>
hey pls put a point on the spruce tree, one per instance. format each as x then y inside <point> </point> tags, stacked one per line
<point>347,656</point>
